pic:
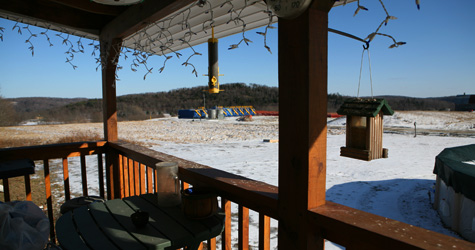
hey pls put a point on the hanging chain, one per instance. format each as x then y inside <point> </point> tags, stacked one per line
<point>361,69</point>
<point>370,74</point>
<point>365,48</point>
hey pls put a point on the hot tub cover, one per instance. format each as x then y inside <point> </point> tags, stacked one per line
<point>456,167</point>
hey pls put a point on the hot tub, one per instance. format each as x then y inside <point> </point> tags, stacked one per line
<point>455,189</point>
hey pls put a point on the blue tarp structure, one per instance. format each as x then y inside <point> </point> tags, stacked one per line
<point>227,112</point>
<point>239,111</point>
<point>191,114</point>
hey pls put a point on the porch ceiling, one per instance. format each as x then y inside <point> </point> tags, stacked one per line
<point>151,26</point>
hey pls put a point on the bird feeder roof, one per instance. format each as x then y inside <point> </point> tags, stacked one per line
<point>365,107</point>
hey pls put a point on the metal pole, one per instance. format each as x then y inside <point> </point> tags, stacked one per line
<point>415,129</point>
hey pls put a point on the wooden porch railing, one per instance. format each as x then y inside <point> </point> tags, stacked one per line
<point>248,194</point>
<point>62,152</point>
<point>346,226</point>
<point>138,176</point>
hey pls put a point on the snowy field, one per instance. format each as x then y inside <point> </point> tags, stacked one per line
<point>398,187</point>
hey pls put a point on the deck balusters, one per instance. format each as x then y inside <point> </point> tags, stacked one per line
<point>243,230</point>
<point>28,188</point>
<point>6,190</point>
<point>143,178</point>
<point>125,173</point>
<point>49,199</point>
<point>84,175</point>
<point>149,179</point>
<point>67,191</point>
<point>264,232</point>
<point>100,168</point>
<point>130,165</point>
<point>226,235</point>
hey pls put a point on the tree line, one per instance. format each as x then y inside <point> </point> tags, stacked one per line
<point>153,105</point>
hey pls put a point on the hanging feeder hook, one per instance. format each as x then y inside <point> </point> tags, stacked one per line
<point>367,45</point>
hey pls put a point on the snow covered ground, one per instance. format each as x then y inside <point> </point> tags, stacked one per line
<point>397,187</point>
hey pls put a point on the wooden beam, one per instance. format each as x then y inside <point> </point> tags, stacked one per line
<point>54,13</point>
<point>110,50</point>
<point>357,229</point>
<point>140,15</point>
<point>63,150</point>
<point>302,123</point>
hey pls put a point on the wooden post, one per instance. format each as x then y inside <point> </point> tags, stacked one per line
<point>302,123</point>
<point>110,50</point>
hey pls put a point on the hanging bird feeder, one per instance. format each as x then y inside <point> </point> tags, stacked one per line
<point>213,68</point>
<point>364,128</point>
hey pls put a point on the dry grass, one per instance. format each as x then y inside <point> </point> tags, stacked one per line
<point>21,141</point>
<point>17,189</point>
<point>80,136</point>
<point>16,142</point>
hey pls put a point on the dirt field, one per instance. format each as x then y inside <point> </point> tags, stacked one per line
<point>149,131</point>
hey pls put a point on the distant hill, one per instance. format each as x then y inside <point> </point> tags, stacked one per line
<point>237,94</point>
<point>143,106</point>
<point>31,107</point>
<point>34,104</point>
<point>411,103</point>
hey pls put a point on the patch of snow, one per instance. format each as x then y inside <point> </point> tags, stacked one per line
<point>29,123</point>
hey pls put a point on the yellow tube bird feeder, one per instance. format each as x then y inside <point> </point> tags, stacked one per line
<point>213,68</point>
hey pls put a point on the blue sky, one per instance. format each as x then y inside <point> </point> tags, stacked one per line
<point>438,59</point>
